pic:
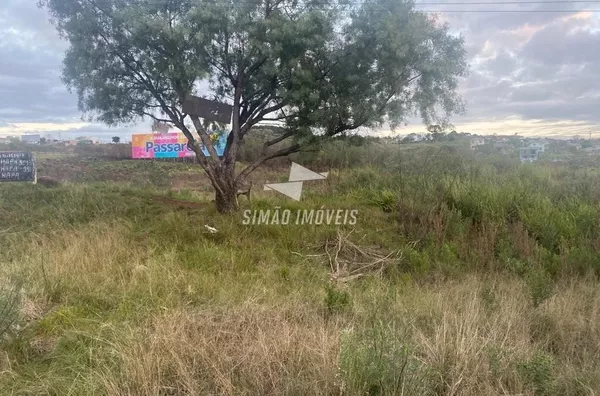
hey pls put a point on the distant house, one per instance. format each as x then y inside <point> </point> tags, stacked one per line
<point>503,147</point>
<point>477,142</point>
<point>31,139</point>
<point>575,139</point>
<point>529,153</point>
<point>540,145</point>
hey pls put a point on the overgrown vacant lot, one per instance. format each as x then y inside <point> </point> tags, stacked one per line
<point>473,277</point>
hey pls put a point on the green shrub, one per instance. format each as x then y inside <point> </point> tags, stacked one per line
<point>537,373</point>
<point>540,286</point>
<point>581,260</point>
<point>336,299</point>
<point>548,224</point>
<point>378,361</point>
<point>419,262</point>
<point>384,199</point>
<point>516,266</point>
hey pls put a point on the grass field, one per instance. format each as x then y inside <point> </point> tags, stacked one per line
<point>464,274</point>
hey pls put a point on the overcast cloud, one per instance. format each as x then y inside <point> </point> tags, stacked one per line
<point>532,73</point>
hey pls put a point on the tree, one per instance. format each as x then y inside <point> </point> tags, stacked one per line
<point>160,126</point>
<point>410,138</point>
<point>116,139</point>
<point>437,132</point>
<point>316,69</point>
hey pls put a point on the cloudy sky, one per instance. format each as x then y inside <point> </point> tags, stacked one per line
<point>532,72</point>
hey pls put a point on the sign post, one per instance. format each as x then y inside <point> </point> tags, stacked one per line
<point>17,167</point>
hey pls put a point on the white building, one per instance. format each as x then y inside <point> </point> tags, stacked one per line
<point>477,142</point>
<point>539,144</point>
<point>31,139</point>
<point>529,153</point>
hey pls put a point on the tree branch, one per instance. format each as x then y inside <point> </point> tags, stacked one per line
<point>253,120</point>
<point>157,118</point>
<point>205,138</point>
<point>279,139</point>
<point>281,153</point>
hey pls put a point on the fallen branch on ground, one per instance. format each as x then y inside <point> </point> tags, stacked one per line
<point>348,261</point>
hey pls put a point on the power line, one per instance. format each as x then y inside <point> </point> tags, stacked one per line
<point>430,3</point>
<point>351,4</point>
<point>506,2</point>
<point>358,3</point>
<point>519,11</point>
<point>348,6</point>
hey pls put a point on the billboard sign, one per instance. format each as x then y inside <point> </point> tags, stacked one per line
<point>208,109</point>
<point>17,166</point>
<point>172,145</point>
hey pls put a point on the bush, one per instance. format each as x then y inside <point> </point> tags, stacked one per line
<point>537,372</point>
<point>336,299</point>
<point>385,199</point>
<point>377,361</point>
<point>540,285</point>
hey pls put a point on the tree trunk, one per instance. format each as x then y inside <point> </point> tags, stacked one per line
<point>225,189</point>
<point>227,201</point>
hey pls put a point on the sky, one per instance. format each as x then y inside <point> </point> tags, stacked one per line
<point>532,73</point>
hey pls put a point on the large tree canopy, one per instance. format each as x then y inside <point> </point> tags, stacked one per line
<point>319,68</point>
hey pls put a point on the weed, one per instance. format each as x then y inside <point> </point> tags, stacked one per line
<point>378,360</point>
<point>538,373</point>
<point>540,286</point>
<point>489,297</point>
<point>336,299</point>
<point>385,199</point>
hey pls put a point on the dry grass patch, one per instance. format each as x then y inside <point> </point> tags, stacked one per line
<point>115,319</point>
<point>249,350</point>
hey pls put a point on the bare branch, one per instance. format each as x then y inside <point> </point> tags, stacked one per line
<point>279,139</point>
<point>205,138</point>
<point>253,120</point>
<point>154,117</point>
<point>281,153</point>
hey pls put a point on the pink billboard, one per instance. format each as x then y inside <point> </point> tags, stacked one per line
<point>171,145</point>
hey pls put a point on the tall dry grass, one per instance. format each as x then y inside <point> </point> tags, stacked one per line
<point>248,350</point>
<point>463,341</point>
<point>119,319</point>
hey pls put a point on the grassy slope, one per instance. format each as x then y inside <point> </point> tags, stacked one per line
<point>127,294</point>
